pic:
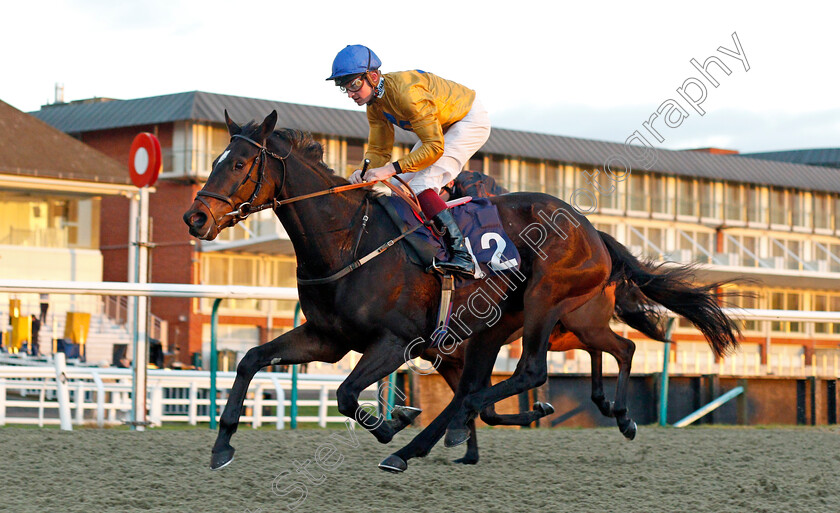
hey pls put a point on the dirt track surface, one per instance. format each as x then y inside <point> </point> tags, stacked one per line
<point>580,470</point>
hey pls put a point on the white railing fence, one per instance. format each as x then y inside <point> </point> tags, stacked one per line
<point>102,396</point>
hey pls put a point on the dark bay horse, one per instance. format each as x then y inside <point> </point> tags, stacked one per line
<point>379,309</point>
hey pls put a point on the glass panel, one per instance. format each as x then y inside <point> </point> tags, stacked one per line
<point>608,191</point>
<point>686,202</point>
<point>778,206</point>
<point>707,199</point>
<point>799,210</point>
<point>529,177</point>
<point>734,202</point>
<point>822,213</point>
<point>660,202</point>
<point>754,211</point>
<point>821,305</point>
<point>637,195</point>
<point>554,180</point>
<point>835,307</point>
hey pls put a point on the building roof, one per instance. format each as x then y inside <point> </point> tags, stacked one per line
<point>32,147</point>
<point>201,106</point>
<point>827,157</point>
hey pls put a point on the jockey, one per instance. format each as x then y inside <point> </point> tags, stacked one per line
<point>447,118</point>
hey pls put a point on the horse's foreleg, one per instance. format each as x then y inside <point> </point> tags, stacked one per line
<point>379,359</point>
<point>300,345</point>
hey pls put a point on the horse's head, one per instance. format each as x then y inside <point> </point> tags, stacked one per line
<point>237,182</point>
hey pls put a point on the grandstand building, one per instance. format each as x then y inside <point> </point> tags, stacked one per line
<point>776,223</point>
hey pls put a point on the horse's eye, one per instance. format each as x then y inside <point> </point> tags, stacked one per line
<point>239,165</point>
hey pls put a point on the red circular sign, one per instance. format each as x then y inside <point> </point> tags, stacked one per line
<point>144,160</point>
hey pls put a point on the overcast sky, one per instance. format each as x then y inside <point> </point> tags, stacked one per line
<point>585,69</point>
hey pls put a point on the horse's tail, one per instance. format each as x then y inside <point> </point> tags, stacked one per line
<point>642,285</point>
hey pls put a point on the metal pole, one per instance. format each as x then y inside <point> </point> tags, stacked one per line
<point>293,410</point>
<point>214,321</point>
<point>141,336</point>
<point>709,407</point>
<point>392,385</point>
<point>663,384</point>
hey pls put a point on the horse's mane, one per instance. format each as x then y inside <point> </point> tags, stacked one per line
<point>302,143</point>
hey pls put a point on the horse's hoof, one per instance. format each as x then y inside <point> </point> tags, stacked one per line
<point>468,459</point>
<point>544,408</point>
<point>456,436</point>
<point>630,431</point>
<point>393,464</point>
<point>406,414</point>
<point>221,459</point>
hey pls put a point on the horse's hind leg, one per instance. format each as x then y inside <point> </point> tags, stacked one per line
<point>531,372</point>
<point>598,396</point>
<point>300,345</point>
<point>604,339</point>
<point>480,357</point>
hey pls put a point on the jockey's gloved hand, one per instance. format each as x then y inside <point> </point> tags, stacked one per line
<point>380,173</point>
<point>356,177</point>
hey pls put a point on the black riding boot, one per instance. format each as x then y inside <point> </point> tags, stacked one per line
<point>460,260</point>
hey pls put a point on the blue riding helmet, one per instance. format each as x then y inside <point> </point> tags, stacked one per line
<point>354,60</point>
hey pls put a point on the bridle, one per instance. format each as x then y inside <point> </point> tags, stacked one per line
<point>245,208</point>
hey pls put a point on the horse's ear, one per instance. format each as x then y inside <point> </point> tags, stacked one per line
<point>267,126</point>
<point>233,128</point>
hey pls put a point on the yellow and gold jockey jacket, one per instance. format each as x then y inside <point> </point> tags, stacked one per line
<point>419,102</point>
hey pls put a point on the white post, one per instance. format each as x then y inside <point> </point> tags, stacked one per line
<point>80,403</point>
<point>257,412</point>
<point>322,407</point>
<point>156,408</point>
<point>100,399</point>
<point>141,341</point>
<point>62,392</point>
<point>192,408</point>
<point>41,398</point>
<point>281,402</point>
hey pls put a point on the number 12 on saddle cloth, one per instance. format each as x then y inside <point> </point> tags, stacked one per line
<point>484,235</point>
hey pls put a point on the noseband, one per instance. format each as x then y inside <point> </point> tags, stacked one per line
<point>245,208</point>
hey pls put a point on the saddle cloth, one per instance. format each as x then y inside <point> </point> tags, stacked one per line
<point>478,219</point>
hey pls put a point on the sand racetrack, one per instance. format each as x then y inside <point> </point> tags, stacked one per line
<point>700,469</point>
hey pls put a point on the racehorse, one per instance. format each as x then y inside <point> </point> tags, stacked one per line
<point>378,309</point>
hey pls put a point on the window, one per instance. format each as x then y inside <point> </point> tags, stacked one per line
<point>778,248</point>
<point>801,209</point>
<point>608,192</point>
<point>250,270</point>
<point>786,301</point>
<point>734,202</point>
<point>707,199</point>
<point>826,303</point>
<point>529,176</point>
<point>497,171</point>
<point>554,180</point>
<point>355,155</point>
<point>686,197</point>
<point>38,220</point>
<point>659,200</point>
<point>637,197</point>
<point>822,211</point>
<point>755,211</point>
<point>779,207</point>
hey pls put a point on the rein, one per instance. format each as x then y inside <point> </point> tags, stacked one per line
<point>246,208</point>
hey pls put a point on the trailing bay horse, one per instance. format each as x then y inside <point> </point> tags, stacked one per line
<point>381,308</point>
